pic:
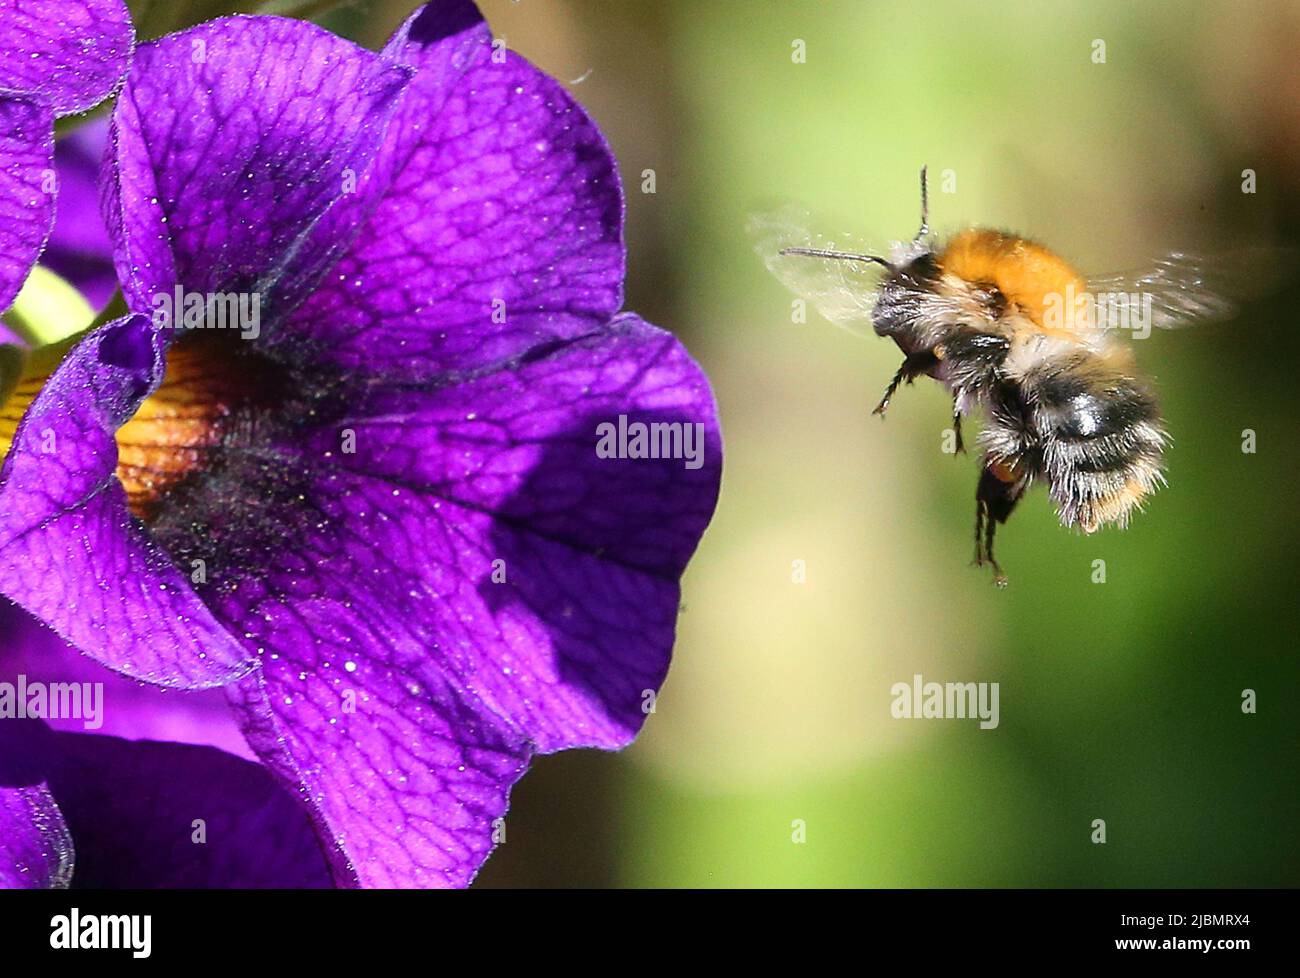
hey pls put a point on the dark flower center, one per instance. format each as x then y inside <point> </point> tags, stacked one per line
<point>210,391</point>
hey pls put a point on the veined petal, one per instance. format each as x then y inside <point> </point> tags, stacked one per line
<point>35,845</point>
<point>68,53</point>
<point>70,551</point>
<point>26,188</point>
<point>502,225</point>
<point>522,445</point>
<point>432,542</point>
<point>427,624</point>
<point>122,707</point>
<point>231,144</point>
<point>403,779</point>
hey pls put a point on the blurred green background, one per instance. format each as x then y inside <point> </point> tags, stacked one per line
<point>1119,701</point>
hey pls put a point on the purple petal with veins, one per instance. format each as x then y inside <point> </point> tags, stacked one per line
<point>501,228</point>
<point>69,53</point>
<point>35,845</point>
<point>419,568</point>
<point>58,57</point>
<point>131,709</point>
<point>232,141</point>
<point>70,552</point>
<point>26,197</point>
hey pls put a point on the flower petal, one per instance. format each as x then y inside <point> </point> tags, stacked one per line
<point>501,227</point>
<point>231,142</point>
<point>405,783</point>
<point>505,468</point>
<point>521,445</point>
<point>404,685</point>
<point>35,845</point>
<point>26,189</point>
<point>130,709</point>
<point>135,810</point>
<point>70,53</point>
<point>71,554</point>
<point>145,814</point>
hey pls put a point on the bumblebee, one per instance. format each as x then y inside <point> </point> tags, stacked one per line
<point>1014,332</point>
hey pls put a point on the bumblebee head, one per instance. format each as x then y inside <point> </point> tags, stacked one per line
<point>906,295</point>
<point>902,255</point>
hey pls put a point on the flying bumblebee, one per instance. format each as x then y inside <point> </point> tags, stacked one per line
<point>1012,330</point>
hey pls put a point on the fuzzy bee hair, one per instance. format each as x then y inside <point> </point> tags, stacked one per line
<point>1062,401</point>
<point>1070,411</point>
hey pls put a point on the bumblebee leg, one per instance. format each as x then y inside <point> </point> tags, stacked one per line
<point>889,391</point>
<point>999,579</point>
<point>913,364</point>
<point>1000,488</point>
<point>956,427</point>
<point>985,526</point>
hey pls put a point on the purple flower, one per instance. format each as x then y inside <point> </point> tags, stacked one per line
<point>58,57</point>
<point>426,516</point>
<point>130,812</point>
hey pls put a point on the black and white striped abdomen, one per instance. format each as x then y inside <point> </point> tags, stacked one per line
<point>1098,432</point>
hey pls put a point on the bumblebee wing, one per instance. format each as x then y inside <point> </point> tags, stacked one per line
<point>844,292</point>
<point>1185,289</point>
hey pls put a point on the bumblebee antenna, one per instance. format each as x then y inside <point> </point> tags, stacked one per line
<point>840,255</point>
<point>925,208</point>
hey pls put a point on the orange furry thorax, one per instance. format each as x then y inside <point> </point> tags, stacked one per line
<point>1031,277</point>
